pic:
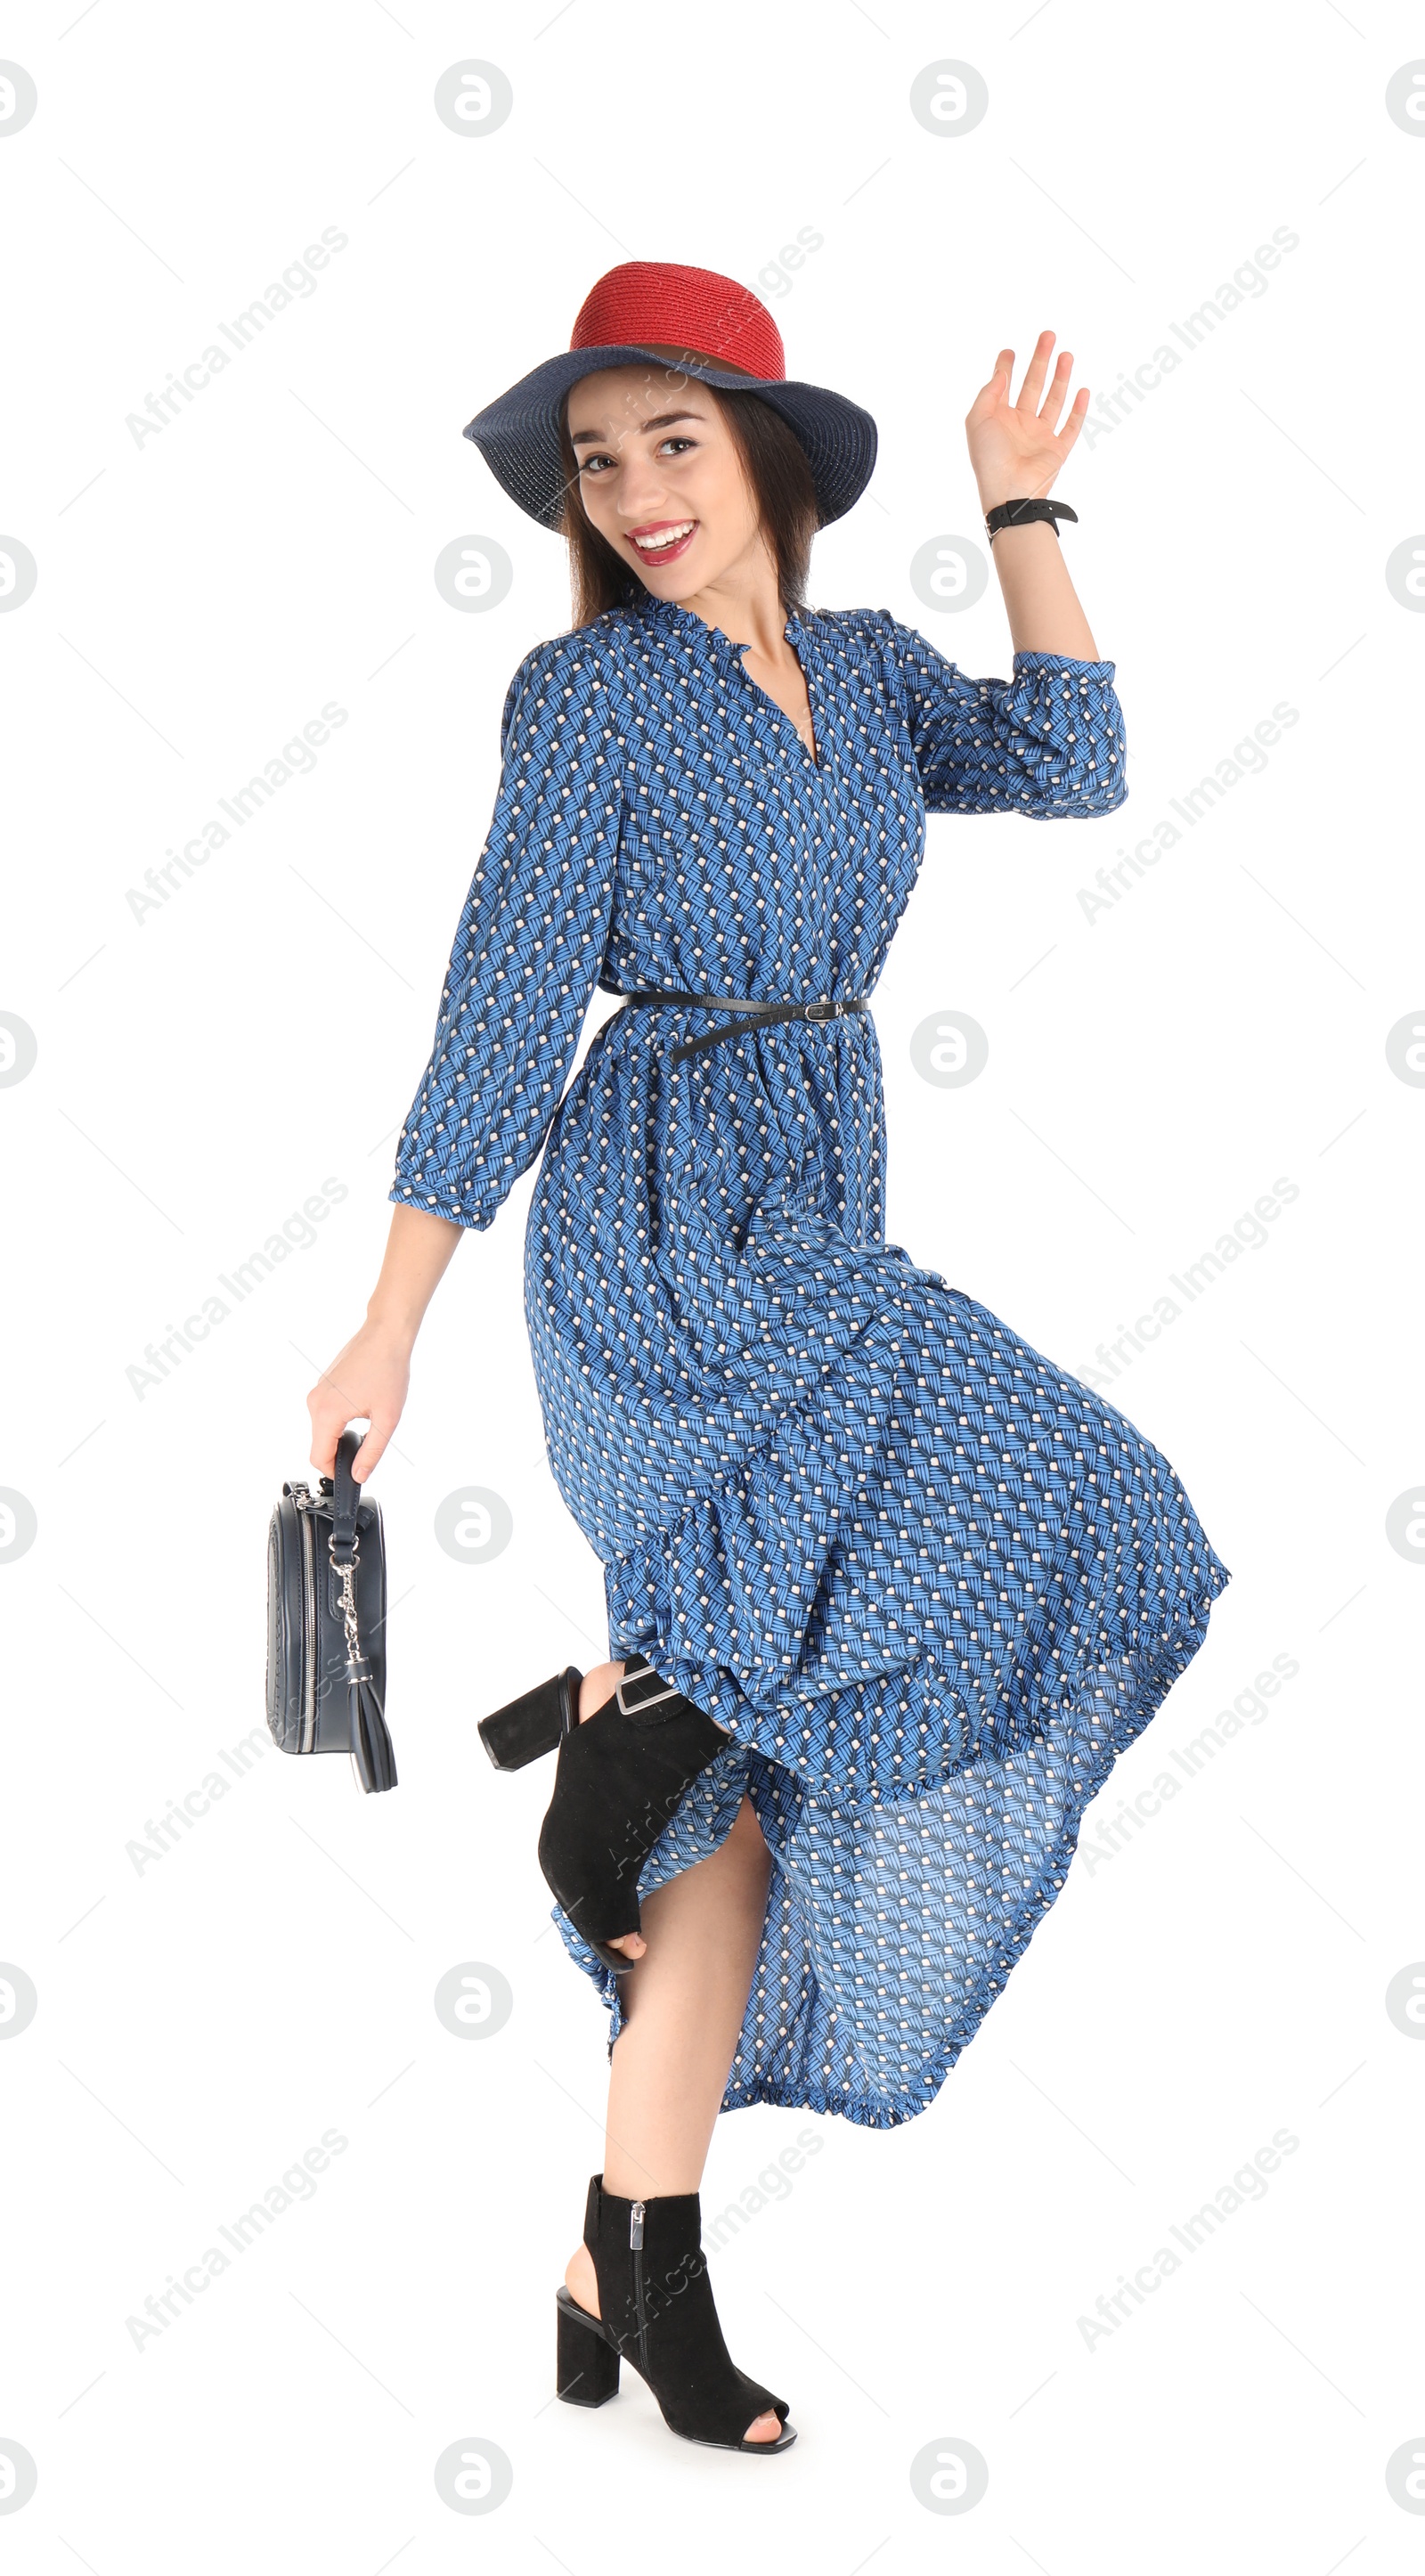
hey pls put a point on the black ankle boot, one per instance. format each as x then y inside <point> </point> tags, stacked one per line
<point>658,2313</point>
<point>620,1780</point>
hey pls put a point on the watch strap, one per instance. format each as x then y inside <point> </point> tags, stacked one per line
<point>1011,514</point>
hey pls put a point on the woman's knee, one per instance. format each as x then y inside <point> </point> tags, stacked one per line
<point>597,1689</point>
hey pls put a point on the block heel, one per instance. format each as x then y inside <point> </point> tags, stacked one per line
<point>534,1723</point>
<point>587,2361</point>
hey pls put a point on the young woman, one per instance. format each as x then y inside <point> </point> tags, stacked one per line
<point>888,1591</point>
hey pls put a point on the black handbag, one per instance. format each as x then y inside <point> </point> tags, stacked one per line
<point>326,1623</point>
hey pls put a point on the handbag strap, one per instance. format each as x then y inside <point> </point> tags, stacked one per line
<point>346,1497</point>
<point>372,1757</point>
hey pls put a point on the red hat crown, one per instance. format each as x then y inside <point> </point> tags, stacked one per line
<point>650,300</point>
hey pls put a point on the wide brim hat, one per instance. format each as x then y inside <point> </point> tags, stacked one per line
<point>720,333</point>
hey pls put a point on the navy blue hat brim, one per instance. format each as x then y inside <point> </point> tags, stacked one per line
<point>518,434</point>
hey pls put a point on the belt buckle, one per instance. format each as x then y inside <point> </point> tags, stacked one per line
<point>818,1011</point>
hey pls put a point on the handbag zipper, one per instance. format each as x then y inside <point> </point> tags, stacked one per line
<point>635,2238</point>
<point>309,1638</point>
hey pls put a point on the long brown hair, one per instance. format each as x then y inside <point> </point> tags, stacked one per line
<point>778,475</point>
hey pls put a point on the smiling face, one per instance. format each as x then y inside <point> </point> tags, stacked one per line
<point>662,480</point>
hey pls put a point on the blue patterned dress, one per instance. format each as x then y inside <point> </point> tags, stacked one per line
<point>931,1583</point>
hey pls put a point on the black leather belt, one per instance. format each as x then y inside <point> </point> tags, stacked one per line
<point>752,1015</point>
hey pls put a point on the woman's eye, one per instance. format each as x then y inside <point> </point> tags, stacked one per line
<point>601,464</point>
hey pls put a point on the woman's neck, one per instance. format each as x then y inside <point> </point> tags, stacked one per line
<point>746,603</point>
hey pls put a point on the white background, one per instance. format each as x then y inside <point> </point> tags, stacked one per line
<point>1152,1071</point>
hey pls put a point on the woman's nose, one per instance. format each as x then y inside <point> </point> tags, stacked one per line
<point>641,496</point>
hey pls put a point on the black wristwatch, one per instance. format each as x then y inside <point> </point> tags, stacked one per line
<point>1013,514</point>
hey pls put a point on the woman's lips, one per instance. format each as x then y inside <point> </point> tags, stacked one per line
<point>663,543</point>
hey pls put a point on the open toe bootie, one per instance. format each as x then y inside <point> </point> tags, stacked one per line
<point>619,1781</point>
<point>657,2312</point>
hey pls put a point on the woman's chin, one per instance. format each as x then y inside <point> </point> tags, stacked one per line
<point>674,564</point>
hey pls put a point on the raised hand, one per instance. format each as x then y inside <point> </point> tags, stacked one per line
<point>1016,448</point>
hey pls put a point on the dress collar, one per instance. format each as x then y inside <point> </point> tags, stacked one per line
<point>687,623</point>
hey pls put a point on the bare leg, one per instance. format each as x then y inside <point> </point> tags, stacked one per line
<point>683,2006</point>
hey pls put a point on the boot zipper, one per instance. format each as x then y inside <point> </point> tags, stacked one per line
<point>635,2238</point>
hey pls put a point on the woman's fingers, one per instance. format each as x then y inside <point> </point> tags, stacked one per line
<point>331,1410</point>
<point>1027,403</point>
<point>994,392</point>
<point>325,1435</point>
<point>996,396</point>
<point>1075,421</point>
<point>368,1382</point>
<point>1056,396</point>
<point>328,1426</point>
<point>1035,372</point>
<point>373,1446</point>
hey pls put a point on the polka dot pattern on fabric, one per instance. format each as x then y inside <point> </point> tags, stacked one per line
<point>931,1584</point>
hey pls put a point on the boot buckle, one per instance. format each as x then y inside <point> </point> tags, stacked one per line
<point>640,1707</point>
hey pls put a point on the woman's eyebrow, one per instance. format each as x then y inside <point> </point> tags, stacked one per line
<point>660,420</point>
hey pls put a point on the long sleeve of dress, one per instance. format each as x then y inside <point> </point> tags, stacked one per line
<point>528,946</point>
<point>1049,742</point>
